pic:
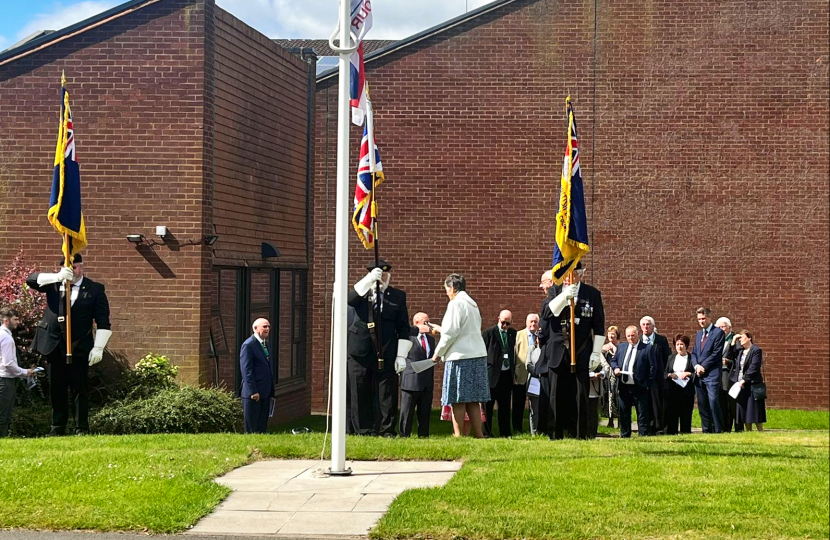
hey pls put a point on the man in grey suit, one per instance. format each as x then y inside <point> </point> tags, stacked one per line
<point>416,388</point>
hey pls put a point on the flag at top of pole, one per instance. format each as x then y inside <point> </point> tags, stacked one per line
<point>65,213</point>
<point>571,222</point>
<point>369,176</point>
<point>361,23</point>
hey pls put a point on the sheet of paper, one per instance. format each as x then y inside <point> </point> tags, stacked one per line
<point>271,409</point>
<point>533,387</point>
<point>421,365</point>
<point>682,382</point>
<point>735,390</point>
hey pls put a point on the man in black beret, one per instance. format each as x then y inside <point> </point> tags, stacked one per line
<point>374,389</point>
<point>89,304</point>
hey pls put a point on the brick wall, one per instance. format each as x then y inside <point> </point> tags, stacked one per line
<point>703,141</point>
<point>261,154</point>
<point>138,87</point>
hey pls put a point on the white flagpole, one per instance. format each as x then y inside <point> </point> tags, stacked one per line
<point>341,253</point>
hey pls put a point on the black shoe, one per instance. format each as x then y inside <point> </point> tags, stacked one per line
<point>81,432</point>
<point>56,432</point>
<point>389,435</point>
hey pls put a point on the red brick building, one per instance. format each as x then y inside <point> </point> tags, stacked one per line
<point>704,150</point>
<point>185,117</point>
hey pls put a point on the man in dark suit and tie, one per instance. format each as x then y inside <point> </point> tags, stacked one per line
<point>634,365</point>
<point>569,392</point>
<point>500,341</point>
<point>416,388</point>
<point>657,393</point>
<point>707,353</point>
<point>89,304</point>
<point>257,378</point>
<point>374,389</point>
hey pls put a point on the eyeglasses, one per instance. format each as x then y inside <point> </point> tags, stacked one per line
<point>505,323</point>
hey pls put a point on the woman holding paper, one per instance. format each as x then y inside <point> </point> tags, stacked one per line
<point>746,372</point>
<point>462,348</point>
<point>680,397</point>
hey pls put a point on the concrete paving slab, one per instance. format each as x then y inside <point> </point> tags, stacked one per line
<point>290,501</point>
<point>326,502</point>
<point>242,522</point>
<point>249,500</point>
<point>253,484</point>
<point>397,483</point>
<point>331,523</point>
<point>375,502</point>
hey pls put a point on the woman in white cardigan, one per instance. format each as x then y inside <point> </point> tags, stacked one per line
<point>463,350</point>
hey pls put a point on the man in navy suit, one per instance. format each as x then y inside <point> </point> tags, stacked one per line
<point>708,362</point>
<point>634,365</point>
<point>416,388</point>
<point>257,378</point>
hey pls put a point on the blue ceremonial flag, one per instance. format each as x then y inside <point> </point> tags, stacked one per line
<point>65,213</point>
<point>571,222</point>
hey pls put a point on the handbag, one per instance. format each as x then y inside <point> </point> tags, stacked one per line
<point>759,391</point>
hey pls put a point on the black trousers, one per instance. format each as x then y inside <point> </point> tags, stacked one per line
<point>518,407</point>
<point>728,407</point>
<point>657,401</point>
<point>593,417</point>
<point>569,402</point>
<point>374,396</point>
<point>64,377</point>
<point>7,390</point>
<point>680,403</point>
<point>544,424</point>
<point>412,400</point>
<point>256,414</point>
<point>634,395</point>
<point>500,394</point>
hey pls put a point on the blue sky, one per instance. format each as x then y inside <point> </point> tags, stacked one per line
<point>393,19</point>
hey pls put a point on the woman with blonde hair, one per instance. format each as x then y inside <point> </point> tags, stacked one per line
<point>609,400</point>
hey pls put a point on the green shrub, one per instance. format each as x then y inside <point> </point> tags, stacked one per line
<point>33,420</point>
<point>184,409</point>
<point>149,376</point>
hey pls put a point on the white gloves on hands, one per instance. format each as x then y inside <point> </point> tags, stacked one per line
<point>368,281</point>
<point>65,274</point>
<point>570,291</point>
<point>400,358</point>
<point>97,352</point>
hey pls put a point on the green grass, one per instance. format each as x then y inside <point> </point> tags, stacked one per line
<point>748,485</point>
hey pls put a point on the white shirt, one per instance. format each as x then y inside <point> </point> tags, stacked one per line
<point>8,356</point>
<point>76,289</point>
<point>679,365</point>
<point>630,370</point>
<point>461,330</point>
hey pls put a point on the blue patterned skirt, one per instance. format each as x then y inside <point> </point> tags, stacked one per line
<point>465,381</point>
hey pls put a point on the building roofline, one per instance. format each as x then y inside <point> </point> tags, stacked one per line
<point>42,42</point>
<point>425,34</point>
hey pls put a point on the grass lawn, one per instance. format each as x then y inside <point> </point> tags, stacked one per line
<point>750,485</point>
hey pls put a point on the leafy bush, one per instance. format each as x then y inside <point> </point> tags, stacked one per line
<point>151,375</point>
<point>29,304</point>
<point>33,420</point>
<point>185,409</point>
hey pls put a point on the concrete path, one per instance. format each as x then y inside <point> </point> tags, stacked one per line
<point>288,498</point>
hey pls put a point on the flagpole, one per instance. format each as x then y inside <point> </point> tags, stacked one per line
<point>67,292</point>
<point>573,326</point>
<point>341,253</point>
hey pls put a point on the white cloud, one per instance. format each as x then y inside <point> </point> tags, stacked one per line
<point>315,19</point>
<point>63,15</point>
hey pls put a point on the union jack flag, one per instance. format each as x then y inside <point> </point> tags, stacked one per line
<point>64,212</point>
<point>369,168</point>
<point>571,221</point>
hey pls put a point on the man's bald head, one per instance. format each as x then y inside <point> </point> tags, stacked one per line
<point>505,319</point>
<point>262,328</point>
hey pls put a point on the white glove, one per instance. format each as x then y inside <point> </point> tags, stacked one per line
<point>596,354</point>
<point>570,291</point>
<point>65,274</point>
<point>400,358</point>
<point>97,352</point>
<point>368,281</point>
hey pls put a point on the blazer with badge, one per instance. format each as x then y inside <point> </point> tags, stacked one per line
<point>495,353</point>
<point>417,382</point>
<point>645,363</point>
<point>589,321</point>
<point>394,326</point>
<point>522,355</point>
<point>256,370</point>
<point>90,306</point>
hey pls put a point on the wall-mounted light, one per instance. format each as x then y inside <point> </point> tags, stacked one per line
<point>161,231</point>
<point>210,239</point>
<point>269,251</point>
<point>135,238</point>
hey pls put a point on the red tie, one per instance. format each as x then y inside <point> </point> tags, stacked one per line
<point>424,342</point>
<point>703,339</point>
